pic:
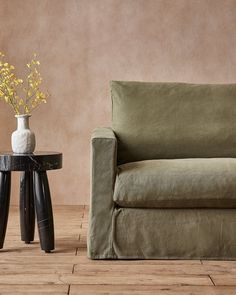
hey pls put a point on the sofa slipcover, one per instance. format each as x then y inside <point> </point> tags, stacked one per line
<point>177,183</point>
<point>174,233</point>
<point>163,177</point>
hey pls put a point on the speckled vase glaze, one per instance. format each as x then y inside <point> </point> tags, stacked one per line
<point>23,139</point>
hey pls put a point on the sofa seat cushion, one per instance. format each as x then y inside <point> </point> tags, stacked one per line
<point>177,183</point>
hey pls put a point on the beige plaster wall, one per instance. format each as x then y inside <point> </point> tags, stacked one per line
<point>82,44</point>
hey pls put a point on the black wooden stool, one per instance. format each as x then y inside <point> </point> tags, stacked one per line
<point>34,194</point>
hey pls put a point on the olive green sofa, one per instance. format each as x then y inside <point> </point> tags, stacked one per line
<point>163,177</point>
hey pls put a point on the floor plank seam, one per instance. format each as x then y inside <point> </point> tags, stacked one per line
<point>211,280</point>
<point>68,292</point>
<point>73,268</point>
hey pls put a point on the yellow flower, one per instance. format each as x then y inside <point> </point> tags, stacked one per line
<point>21,102</point>
<point>10,86</point>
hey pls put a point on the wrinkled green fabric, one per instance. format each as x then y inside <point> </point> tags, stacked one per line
<point>103,170</point>
<point>157,122</point>
<point>173,120</point>
<point>177,183</point>
<point>174,233</point>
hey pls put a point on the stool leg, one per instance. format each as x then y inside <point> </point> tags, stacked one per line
<point>27,212</point>
<point>43,208</point>
<point>5,189</point>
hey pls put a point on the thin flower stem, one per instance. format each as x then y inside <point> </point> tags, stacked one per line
<point>11,102</point>
<point>30,97</point>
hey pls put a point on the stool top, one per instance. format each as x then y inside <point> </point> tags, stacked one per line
<point>38,161</point>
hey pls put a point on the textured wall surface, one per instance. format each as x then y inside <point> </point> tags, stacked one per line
<point>82,44</point>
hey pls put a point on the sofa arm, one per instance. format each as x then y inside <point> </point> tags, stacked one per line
<point>103,172</point>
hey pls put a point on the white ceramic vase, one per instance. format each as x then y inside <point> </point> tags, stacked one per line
<point>23,139</point>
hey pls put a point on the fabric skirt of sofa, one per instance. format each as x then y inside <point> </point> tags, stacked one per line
<point>174,233</point>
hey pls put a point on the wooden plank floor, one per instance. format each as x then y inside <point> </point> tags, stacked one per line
<point>25,269</point>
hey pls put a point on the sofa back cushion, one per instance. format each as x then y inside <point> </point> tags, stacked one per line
<point>173,120</point>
